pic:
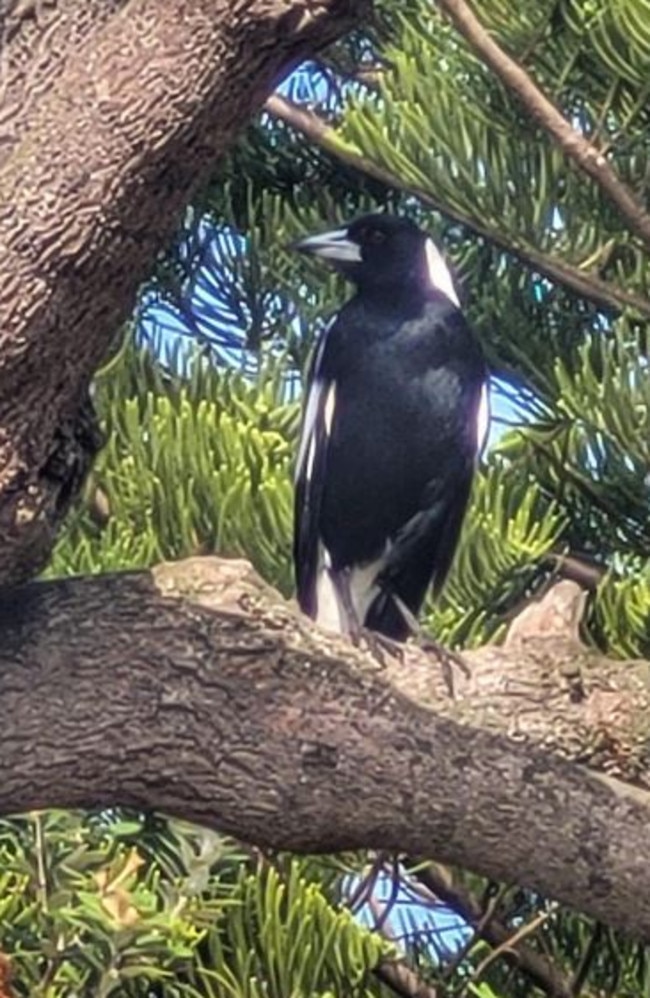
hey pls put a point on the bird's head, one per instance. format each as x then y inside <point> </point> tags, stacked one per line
<point>386,254</point>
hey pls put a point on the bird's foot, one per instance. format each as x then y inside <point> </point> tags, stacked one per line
<point>378,645</point>
<point>446,658</point>
<point>420,639</point>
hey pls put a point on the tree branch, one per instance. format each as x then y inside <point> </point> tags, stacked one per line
<point>111,123</point>
<point>404,981</point>
<point>194,690</point>
<point>573,144</point>
<point>541,971</point>
<point>596,290</point>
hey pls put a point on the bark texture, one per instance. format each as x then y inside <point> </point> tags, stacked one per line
<point>195,690</point>
<point>112,114</point>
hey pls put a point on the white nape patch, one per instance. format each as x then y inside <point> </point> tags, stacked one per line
<point>439,274</point>
<point>329,408</point>
<point>307,446</point>
<point>483,418</point>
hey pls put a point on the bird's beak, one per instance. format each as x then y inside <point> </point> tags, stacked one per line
<point>334,245</point>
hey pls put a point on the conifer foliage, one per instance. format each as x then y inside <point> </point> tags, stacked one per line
<point>200,406</point>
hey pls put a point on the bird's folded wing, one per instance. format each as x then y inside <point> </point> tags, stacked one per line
<point>310,477</point>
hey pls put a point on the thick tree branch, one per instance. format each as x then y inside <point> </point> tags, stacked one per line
<point>34,48</point>
<point>596,290</point>
<point>194,690</point>
<point>573,144</point>
<point>106,132</point>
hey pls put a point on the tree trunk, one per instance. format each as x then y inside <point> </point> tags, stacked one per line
<point>112,114</point>
<point>195,690</point>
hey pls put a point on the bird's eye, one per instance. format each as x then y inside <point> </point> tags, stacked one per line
<point>374,237</point>
<point>370,237</point>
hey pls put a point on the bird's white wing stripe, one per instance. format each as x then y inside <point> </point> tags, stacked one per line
<point>307,441</point>
<point>439,274</point>
<point>311,456</point>
<point>483,418</point>
<point>305,448</point>
<point>329,408</point>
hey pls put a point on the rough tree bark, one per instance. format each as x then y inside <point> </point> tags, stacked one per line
<point>112,112</point>
<point>195,690</point>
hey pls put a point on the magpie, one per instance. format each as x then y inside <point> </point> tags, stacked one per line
<point>395,415</point>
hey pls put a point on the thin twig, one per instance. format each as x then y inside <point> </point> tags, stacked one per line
<point>382,916</point>
<point>538,968</point>
<point>479,932</point>
<point>573,144</point>
<point>596,290</point>
<point>588,574</point>
<point>364,888</point>
<point>41,862</point>
<point>511,942</point>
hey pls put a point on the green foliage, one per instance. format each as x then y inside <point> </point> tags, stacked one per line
<point>82,913</point>
<point>616,33</point>
<point>110,906</point>
<point>474,150</point>
<point>510,530</point>
<point>286,941</point>
<point>192,465</point>
<point>620,614</point>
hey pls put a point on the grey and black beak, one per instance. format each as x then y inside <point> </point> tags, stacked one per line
<point>334,245</point>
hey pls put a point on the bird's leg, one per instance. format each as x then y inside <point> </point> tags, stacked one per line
<point>378,644</point>
<point>445,657</point>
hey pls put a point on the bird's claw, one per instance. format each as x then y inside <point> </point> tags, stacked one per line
<point>446,658</point>
<point>378,645</point>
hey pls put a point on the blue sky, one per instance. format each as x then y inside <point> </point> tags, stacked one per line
<point>407,916</point>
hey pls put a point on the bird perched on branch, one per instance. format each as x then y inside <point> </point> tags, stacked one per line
<point>395,415</point>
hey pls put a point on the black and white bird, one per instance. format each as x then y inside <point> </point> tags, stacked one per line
<point>395,416</point>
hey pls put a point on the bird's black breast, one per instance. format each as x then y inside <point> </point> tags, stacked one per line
<point>404,428</point>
